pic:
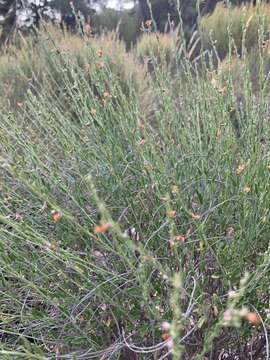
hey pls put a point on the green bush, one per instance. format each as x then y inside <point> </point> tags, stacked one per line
<point>239,22</point>
<point>32,63</point>
<point>39,64</point>
<point>120,239</point>
<point>235,70</point>
<point>127,23</point>
<point>157,48</point>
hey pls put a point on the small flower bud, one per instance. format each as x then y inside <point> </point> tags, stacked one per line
<point>165,326</point>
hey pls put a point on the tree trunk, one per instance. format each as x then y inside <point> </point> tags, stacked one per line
<point>8,24</point>
<point>145,10</point>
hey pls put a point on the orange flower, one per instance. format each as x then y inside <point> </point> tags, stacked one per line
<point>88,29</point>
<point>165,336</point>
<point>180,238</point>
<point>107,95</point>
<point>253,318</point>
<point>142,142</point>
<point>101,229</point>
<point>195,216</point>
<point>57,216</point>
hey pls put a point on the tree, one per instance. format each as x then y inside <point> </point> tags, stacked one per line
<point>7,19</point>
<point>19,13</point>
<point>161,9</point>
<point>26,14</point>
<point>146,15</point>
<point>71,11</point>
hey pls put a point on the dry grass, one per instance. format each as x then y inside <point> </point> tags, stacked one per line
<point>157,47</point>
<point>32,64</point>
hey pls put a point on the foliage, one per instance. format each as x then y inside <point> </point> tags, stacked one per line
<point>65,6</point>
<point>165,13</point>
<point>158,11</point>
<point>31,66</point>
<point>157,48</point>
<point>126,22</point>
<point>234,22</point>
<point>235,70</point>
<point>161,9</point>
<point>26,15</point>
<point>123,235</point>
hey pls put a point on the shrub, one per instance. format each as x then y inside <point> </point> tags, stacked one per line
<point>157,48</point>
<point>32,63</point>
<point>17,67</point>
<point>127,23</point>
<point>119,239</point>
<point>40,64</point>
<point>238,21</point>
<point>235,70</point>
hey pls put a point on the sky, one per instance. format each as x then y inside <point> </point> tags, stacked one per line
<point>116,4</point>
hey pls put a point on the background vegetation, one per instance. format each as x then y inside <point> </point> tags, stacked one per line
<point>134,188</point>
<point>98,13</point>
